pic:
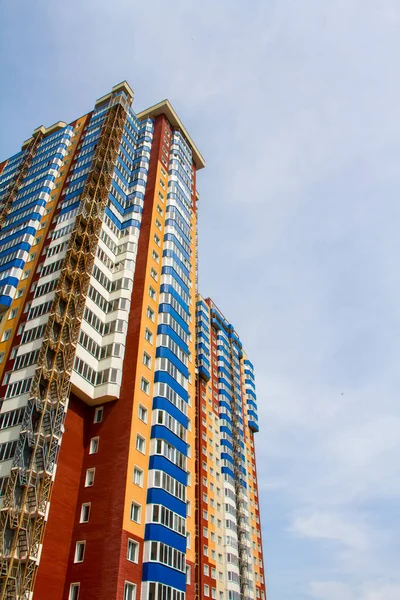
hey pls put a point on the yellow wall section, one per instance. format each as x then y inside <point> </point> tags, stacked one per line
<point>134,492</point>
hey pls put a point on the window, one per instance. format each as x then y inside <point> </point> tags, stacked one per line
<point>187,575</point>
<point>94,445</point>
<point>136,510</point>
<point>206,591</point>
<point>152,293</point>
<point>13,313</point>
<point>6,335</point>
<point>74,591</point>
<point>147,335</point>
<point>147,360</point>
<point>165,554</point>
<point>20,293</point>
<point>129,591</point>
<point>206,570</point>
<point>158,224</point>
<point>145,386</point>
<point>79,552</point>
<point>89,481</point>
<point>138,476</point>
<point>153,273</point>
<point>85,513</point>
<point>133,551</point>
<point>155,256</point>
<point>140,444</point>
<point>150,313</point>
<point>157,239</point>
<point>142,413</point>
<point>98,415</point>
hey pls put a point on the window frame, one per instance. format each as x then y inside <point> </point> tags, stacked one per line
<point>143,411</point>
<point>135,505</point>
<point>79,544</point>
<point>72,589</point>
<point>83,506</point>
<point>142,439</point>
<point>99,410</point>
<point>136,545</point>
<point>94,445</point>
<point>137,469</point>
<point>126,589</point>
<point>91,470</point>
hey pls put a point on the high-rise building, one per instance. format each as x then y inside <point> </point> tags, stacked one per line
<point>229,543</point>
<point>109,480</point>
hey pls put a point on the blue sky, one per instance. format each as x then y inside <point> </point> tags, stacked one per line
<point>295,105</point>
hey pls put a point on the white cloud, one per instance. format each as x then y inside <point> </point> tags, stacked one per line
<point>333,590</point>
<point>332,527</point>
